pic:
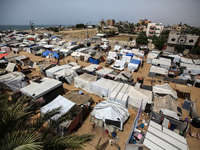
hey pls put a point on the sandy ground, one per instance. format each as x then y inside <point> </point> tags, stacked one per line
<point>101,137</point>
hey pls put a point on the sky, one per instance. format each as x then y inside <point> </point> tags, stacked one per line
<point>72,12</point>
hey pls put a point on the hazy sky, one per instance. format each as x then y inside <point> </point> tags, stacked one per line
<point>71,12</point>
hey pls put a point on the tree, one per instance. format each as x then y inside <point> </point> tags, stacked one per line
<point>179,48</point>
<point>142,38</point>
<point>20,128</point>
<point>160,41</point>
<point>196,51</point>
<point>80,25</point>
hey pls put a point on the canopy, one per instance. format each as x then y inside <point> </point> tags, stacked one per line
<point>110,110</point>
<point>55,55</point>
<point>49,72</point>
<point>130,54</point>
<point>47,53</point>
<point>61,102</point>
<point>117,48</point>
<point>104,71</point>
<point>2,55</point>
<point>126,58</point>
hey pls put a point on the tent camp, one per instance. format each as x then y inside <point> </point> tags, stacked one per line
<point>133,65</point>
<point>84,81</point>
<point>14,80</point>
<point>48,89</point>
<point>109,115</point>
<point>157,71</point>
<point>123,76</point>
<point>49,72</point>
<point>65,75</point>
<point>117,48</point>
<point>126,58</point>
<point>39,53</point>
<point>91,68</point>
<point>152,55</point>
<point>112,55</point>
<point>136,95</point>
<point>164,89</point>
<point>47,54</point>
<point>59,101</point>
<point>186,60</point>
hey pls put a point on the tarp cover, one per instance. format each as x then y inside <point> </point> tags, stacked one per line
<point>47,53</point>
<point>164,89</point>
<point>111,110</point>
<point>60,101</point>
<point>94,61</point>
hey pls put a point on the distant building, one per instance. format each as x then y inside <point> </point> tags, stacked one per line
<point>101,24</point>
<point>167,28</point>
<point>154,29</point>
<point>110,22</point>
<point>125,22</point>
<point>178,38</point>
<point>179,27</point>
<point>119,23</point>
<point>145,21</point>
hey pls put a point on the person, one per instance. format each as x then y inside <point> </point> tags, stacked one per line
<point>93,125</point>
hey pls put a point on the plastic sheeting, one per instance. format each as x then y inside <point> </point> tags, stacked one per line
<point>84,81</point>
<point>111,110</point>
<point>104,71</point>
<point>47,53</point>
<point>164,63</point>
<point>119,65</point>
<point>14,80</point>
<point>11,67</point>
<point>49,72</point>
<point>126,58</point>
<point>164,89</point>
<point>91,68</point>
<point>158,70</point>
<point>60,101</point>
<point>94,61</point>
<point>133,65</point>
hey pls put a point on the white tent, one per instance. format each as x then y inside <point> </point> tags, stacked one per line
<point>124,75</point>
<point>126,58</point>
<point>96,87</point>
<point>37,90</point>
<point>49,72</point>
<point>119,65</point>
<point>15,80</point>
<point>117,48</point>
<point>116,91</point>
<point>159,138</point>
<point>11,67</point>
<point>91,68</point>
<point>104,71</point>
<point>68,74</point>
<point>158,70</point>
<point>164,89</point>
<point>110,110</point>
<point>84,81</point>
<point>60,101</point>
<point>112,55</point>
<point>197,61</point>
<point>177,58</point>
<point>186,60</point>
<point>66,52</point>
<point>152,55</point>
<point>164,62</point>
<point>136,95</point>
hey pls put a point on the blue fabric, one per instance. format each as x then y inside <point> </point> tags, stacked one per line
<point>73,42</point>
<point>93,61</point>
<point>55,55</point>
<point>47,53</point>
<point>130,54</point>
<point>134,61</point>
<point>53,37</point>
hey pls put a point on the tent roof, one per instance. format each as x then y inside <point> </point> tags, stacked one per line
<point>59,101</point>
<point>104,71</point>
<point>2,55</point>
<point>134,61</point>
<point>36,90</point>
<point>158,70</point>
<point>10,67</point>
<point>91,67</point>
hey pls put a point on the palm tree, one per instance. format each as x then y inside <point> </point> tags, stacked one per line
<point>22,127</point>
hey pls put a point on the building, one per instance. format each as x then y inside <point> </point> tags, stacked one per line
<point>110,22</point>
<point>179,27</point>
<point>143,22</point>
<point>178,38</point>
<point>101,24</point>
<point>154,29</point>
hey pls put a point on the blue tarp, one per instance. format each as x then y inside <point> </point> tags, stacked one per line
<point>134,61</point>
<point>130,54</point>
<point>53,37</point>
<point>55,55</point>
<point>73,42</point>
<point>93,61</point>
<point>47,53</point>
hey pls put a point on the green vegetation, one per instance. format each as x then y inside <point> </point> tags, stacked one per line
<point>160,41</point>
<point>196,51</point>
<point>179,48</point>
<point>126,28</point>
<point>142,38</point>
<point>22,128</point>
<point>80,25</point>
<point>192,30</point>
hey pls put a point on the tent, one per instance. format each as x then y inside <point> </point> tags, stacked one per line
<point>130,54</point>
<point>126,58</point>
<point>152,55</point>
<point>55,55</point>
<point>84,81</point>
<point>94,61</point>
<point>186,60</point>
<point>163,62</point>
<point>47,88</point>
<point>111,113</point>
<point>197,62</point>
<point>112,55</point>
<point>91,68</point>
<point>49,72</point>
<point>104,71</point>
<point>39,53</point>
<point>60,101</point>
<point>136,95</point>
<point>133,65</point>
<point>5,49</point>
<point>67,74</point>
<point>11,67</point>
<point>117,48</point>
<point>2,55</point>
<point>47,53</point>
<point>164,89</point>
<point>14,80</point>
<point>119,65</point>
<point>124,76</point>
<point>66,52</point>
<point>157,70</point>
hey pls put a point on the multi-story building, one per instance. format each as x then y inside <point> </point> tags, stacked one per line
<point>144,22</point>
<point>179,38</point>
<point>154,29</point>
<point>110,22</point>
<point>179,27</point>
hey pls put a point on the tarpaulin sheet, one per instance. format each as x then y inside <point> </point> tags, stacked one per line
<point>130,54</point>
<point>93,61</point>
<point>134,61</point>
<point>2,55</point>
<point>47,53</point>
<point>55,55</point>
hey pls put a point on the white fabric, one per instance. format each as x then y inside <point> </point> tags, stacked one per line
<point>197,61</point>
<point>65,52</point>
<point>112,55</point>
<point>119,65</point>
<point>37,90</point>
<point>49,72</point>
<point>164,89</point>
<point>121,96</point>
<point>186,60</point>
<point>116,91</point>
<point>117,48</point>
<point>132,67</point>
<point>91,67</point>
<point>84,81</point>
<point>158,70</point>
<point>136,95</point>
<point>60,101</point>
<point>111,110</point>
<point>170,113</point>
<point>104,71</point>
<point>177,58</point>
<point>126,58</point>
<point>10,67</point>
<point>164,62</point>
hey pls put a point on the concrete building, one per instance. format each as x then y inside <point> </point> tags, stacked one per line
<point>110,22</point>
<point>154,29</point>
<point>179,27</point>
<point>101,24</point>
<point>145,22</point>
<point>178,38</point>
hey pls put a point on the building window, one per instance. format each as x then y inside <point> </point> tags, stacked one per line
<point>177,33</point>
<point>191,41</point>
<point>173,39</point>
